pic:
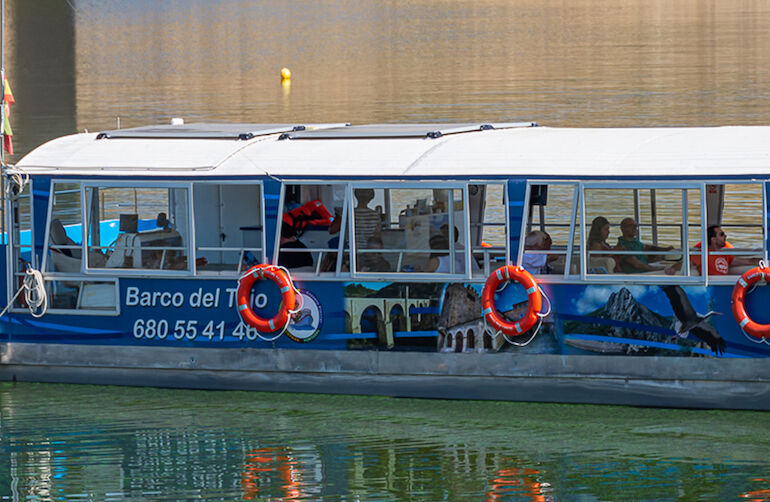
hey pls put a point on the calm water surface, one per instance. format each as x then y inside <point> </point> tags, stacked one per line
<point>62,442</point>
<point>84,64</point>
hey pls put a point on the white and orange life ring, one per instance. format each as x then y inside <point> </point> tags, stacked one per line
<point>534,300</point>
<point>748,279</point>
<point>288,297</point>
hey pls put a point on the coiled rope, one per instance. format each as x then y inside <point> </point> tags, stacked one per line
<point>541,315</point>
<point>35,294</point>
<point>291,312</point>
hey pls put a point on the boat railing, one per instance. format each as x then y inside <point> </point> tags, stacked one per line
<point>491,257</point>
<point>245,260</point>
<point>161,264</point>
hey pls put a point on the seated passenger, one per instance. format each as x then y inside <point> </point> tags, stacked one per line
<point>161,221</point>
<point>719,264</point>
<point>289,241</point>
<point>444,230</point>
<point>597,241</point>
<point>373,262</point>
<point>634,264</point>
<point>439,259</point>
<point>538,263</point>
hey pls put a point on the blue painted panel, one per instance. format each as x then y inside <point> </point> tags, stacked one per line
<point>40,195</point>
<point>516,193</point>
<point>272,193</point>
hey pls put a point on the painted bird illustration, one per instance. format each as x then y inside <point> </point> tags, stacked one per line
<point>689,321</point>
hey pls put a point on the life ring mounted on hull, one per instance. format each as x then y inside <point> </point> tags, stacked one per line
<point>748,279</point>
<point>534,301</point>
<point>282,279</point>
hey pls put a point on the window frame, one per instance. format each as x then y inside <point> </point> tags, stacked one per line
<point>414,185</point>
<point>316,274</point>
<point>569,252</point>
<point>579,198</point>
<point>684,278</point>
<point>731,279</point>
<point>194,245</point>
<point>13,239</point>
<point>142,272</point>
<point>348,225</point>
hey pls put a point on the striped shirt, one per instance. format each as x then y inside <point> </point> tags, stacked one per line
<point>367,222</point>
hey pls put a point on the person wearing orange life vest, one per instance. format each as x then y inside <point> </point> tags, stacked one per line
<point>718,264</point>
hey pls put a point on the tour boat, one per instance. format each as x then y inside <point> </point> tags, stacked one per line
<point>498,261</point>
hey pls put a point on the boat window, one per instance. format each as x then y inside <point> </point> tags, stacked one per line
<point>65,229</point>
<point>82,296</point>
<point>551,243</point>
<point>312,229</point>
<point>420,230</point>
<point>66,287</point>
<point>640,231</point>
<point>21,236</point>
<point>137,227</point>
<point>737,211</point>
<point>229,234</point>
<point>488,238</point>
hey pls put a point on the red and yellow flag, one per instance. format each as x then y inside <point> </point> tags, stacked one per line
<point>7,131</point>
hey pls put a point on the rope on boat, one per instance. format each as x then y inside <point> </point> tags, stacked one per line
<point>291,312</point>
<point>541,315</point>
<point>34,294</point>
<point>19,181</point>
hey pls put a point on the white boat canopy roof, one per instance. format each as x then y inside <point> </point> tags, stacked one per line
<point>398,150</point>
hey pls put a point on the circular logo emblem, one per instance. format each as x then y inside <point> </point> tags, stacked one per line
<point>305,325</point>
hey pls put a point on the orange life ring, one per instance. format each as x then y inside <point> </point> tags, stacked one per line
<point>534,299</point>
<point>739,302</point>
<point>278,276</point>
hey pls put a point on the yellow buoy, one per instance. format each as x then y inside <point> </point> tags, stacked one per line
<point>285,74</point>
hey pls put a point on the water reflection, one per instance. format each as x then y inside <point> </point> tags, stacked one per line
<point>99,443</point>
<point>582,63</point>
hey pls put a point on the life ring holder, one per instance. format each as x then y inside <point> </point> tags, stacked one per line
<point>759,333</point>
<point>282,278</point>
<point>534,315</point>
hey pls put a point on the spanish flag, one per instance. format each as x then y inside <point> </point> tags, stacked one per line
<point>7,131</point>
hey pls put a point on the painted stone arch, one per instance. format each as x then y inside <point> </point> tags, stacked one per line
<point>487,343</point>
<point>397,317</point>
<point>370,318</point>
<point>459,341</point>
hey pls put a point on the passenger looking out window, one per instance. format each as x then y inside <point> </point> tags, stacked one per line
<point>634,264</point>
<point>719,264</point>
<point>538,263</point>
